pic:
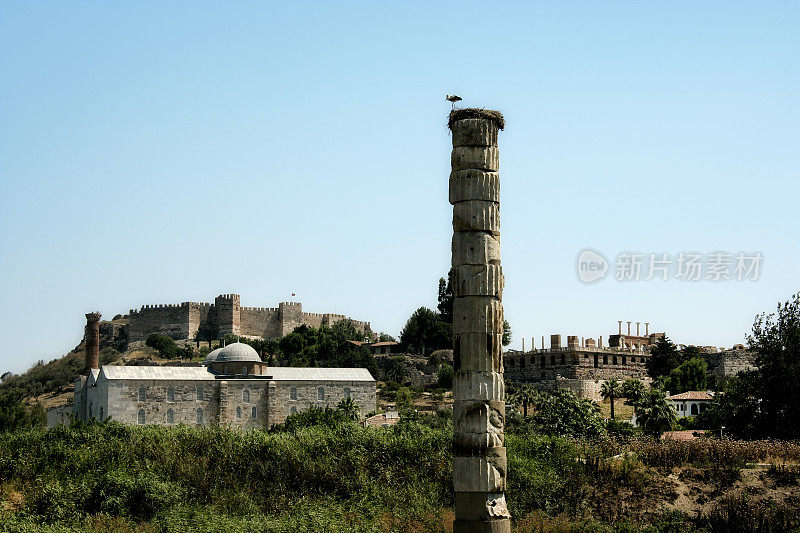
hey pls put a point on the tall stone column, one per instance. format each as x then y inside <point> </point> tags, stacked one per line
<point>479,463</point>
<point>92,342</point>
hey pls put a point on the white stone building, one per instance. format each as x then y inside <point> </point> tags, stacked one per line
<point>691,403</point>
<point>233,387</point>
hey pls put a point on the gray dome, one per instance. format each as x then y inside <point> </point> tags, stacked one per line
<point>212,356</point>
<point>238,351</point>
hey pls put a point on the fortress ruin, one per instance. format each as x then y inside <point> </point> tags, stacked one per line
<point>206,321</point>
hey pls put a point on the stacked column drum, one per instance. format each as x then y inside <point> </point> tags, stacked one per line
<point>479,464</point>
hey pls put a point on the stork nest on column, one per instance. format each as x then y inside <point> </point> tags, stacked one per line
<point>473,112</point>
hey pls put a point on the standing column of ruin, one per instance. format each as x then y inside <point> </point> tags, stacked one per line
<point>92,342</point>
<point>479,463</point>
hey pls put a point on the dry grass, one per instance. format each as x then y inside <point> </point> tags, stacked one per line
<point>722,453</point>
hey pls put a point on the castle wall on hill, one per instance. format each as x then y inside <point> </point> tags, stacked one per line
<point>204,321</point>
<point>575,363</point>
<point>170,320</point>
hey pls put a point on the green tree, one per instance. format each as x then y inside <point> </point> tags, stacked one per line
<point>164,344</point>
<point>664,356</point>
<point>346,330</point>
<point>385,337</point>
<point>350,408</point>
<point>230,338</point>
<point>396,369</point>
<point>689,375</point>
<point>506,333</point>
<point>445,298</point>
<point>562,413</point>
<point>611,389</point>
<point>776,343</point>
<point>444,377</point>
<point>738,408</point>
<point>633,390</point>
<point>404,400</point>
<point>292,344</point>
<point>15,414</point>
<point>425,332</point>
<point>522,395</point>
<point>654,413</point>
<point>764,402</point>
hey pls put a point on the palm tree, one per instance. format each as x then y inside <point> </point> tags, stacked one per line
<point>349,408</point>
<point>522,395</point>
<point>611,389</point>
<point>654,413</point>
<point>397,370</point>
<point>633,390</point>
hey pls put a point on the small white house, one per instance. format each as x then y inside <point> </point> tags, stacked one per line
<point>691,403</point>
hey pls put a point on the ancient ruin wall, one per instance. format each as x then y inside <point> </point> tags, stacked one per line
<point>171,320</point>
<point>191,320</point>
<point>479,462</point>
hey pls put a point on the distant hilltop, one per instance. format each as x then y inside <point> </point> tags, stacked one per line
<point>207,321</point>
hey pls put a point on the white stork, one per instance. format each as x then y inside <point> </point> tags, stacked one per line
<point>453,99</point>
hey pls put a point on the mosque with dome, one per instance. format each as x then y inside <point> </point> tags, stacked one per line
<point>233,387</point>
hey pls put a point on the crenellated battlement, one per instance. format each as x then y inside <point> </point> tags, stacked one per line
<point>203,320</point>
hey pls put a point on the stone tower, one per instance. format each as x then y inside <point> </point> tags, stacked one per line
<point>92,342</point>
<point>479,463</point>
<point>228,313</point>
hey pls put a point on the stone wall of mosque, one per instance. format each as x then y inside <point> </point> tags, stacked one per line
<point>160,402</point>
<point>238,403</point>
<point>294,396</point>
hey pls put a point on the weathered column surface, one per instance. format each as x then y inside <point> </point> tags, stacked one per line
<point>479,463</point>
<point>92,342</point>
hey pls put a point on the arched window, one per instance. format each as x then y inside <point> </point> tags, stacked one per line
<point>170,416</point>
<point>693,409</point>
<point>238,412</point>
<point>563,359</point>
<point>199,393</point>
<point>552,359</point>
<point>142,394</point>
<point>199,417</point>
<point>347,392</point>
<point>542,362</point>
<point>101,413</point>
<point>253,412</point>
<point>614,360</point>
<point>246,396</point>
<point>294,410</point>
<point>293,393</point>
<point>522,362</point>
<point>320,394</point>
<point>170,394</point>
<point>605,359</point>
<point>624,360</point>
<point>141,417</point>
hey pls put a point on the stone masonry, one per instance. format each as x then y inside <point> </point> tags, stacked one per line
<point>204,321</point>
<point>479,462</point>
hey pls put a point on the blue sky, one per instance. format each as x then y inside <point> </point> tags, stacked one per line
<point>157,152</point>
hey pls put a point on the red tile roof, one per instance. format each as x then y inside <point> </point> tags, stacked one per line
<point>385,343</point>
<point>692,395</point>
